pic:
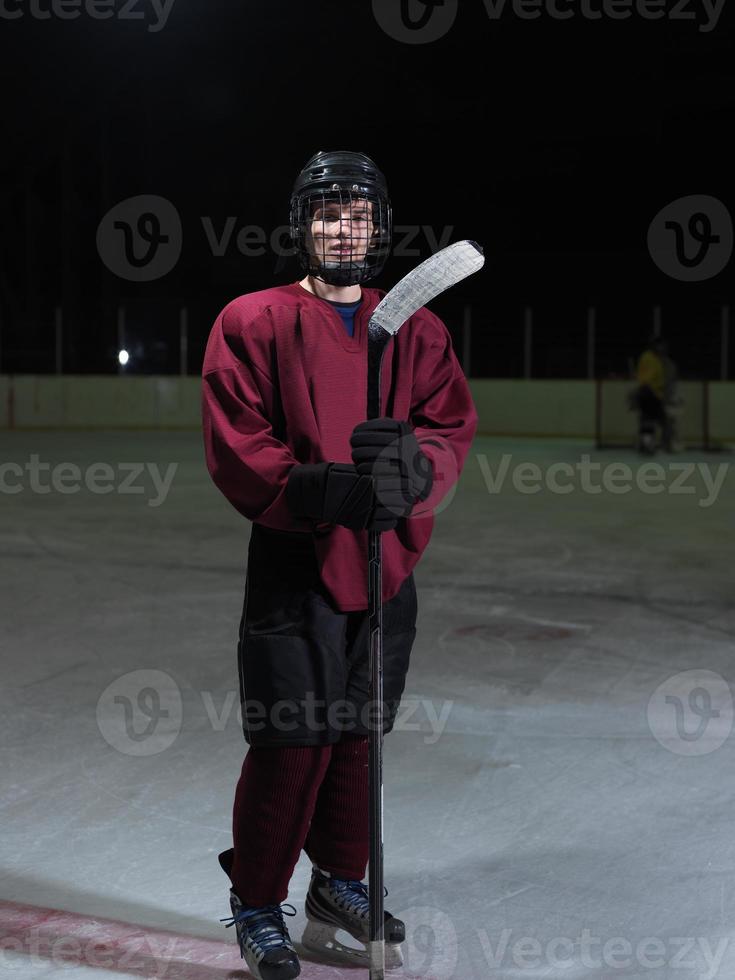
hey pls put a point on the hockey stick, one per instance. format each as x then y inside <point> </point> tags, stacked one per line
<point>432,277</point>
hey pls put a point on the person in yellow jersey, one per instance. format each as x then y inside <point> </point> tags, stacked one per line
<point>654,376</point>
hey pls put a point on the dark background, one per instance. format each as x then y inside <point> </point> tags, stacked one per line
<point>552,143</point>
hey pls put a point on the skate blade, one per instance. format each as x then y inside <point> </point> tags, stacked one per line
<point>321,938</point>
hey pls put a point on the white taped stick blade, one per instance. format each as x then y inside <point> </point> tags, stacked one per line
<point>433,276</point>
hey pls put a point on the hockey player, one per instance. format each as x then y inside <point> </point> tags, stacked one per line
<point>655,396</point>
<point>284,398</point>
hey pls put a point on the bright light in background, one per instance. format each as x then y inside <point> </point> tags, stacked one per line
<point>123,357</point>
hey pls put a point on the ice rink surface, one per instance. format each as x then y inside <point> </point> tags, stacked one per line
<point>559,789</point>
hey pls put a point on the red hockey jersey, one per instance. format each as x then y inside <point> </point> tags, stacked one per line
<point>284,383</point>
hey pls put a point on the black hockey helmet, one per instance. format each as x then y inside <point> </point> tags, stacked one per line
<point>337,185</point>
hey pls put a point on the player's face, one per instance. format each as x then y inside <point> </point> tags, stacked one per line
<point>340,233</point>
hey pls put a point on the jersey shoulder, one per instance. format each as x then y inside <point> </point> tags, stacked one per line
<point>429,328</point>
<point>249,306</point>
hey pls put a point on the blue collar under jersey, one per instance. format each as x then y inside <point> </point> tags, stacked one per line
<point>347,312</point>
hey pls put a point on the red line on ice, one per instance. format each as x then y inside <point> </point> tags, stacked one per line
<point>123,947</point>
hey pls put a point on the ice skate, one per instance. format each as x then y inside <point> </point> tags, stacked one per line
<point>264,942</point>
<point>337,903</point>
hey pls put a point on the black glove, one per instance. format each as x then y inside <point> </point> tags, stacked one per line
<point>388,449</point>
<point>335,493</point>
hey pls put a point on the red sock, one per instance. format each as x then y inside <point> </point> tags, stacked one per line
<point>338,839</point>
<point>274,803</point>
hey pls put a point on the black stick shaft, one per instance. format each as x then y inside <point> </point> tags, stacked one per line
<point>375,759</point>
<point>376,346</point>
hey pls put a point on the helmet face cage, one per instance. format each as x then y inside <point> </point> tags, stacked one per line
<point>342,231</point>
